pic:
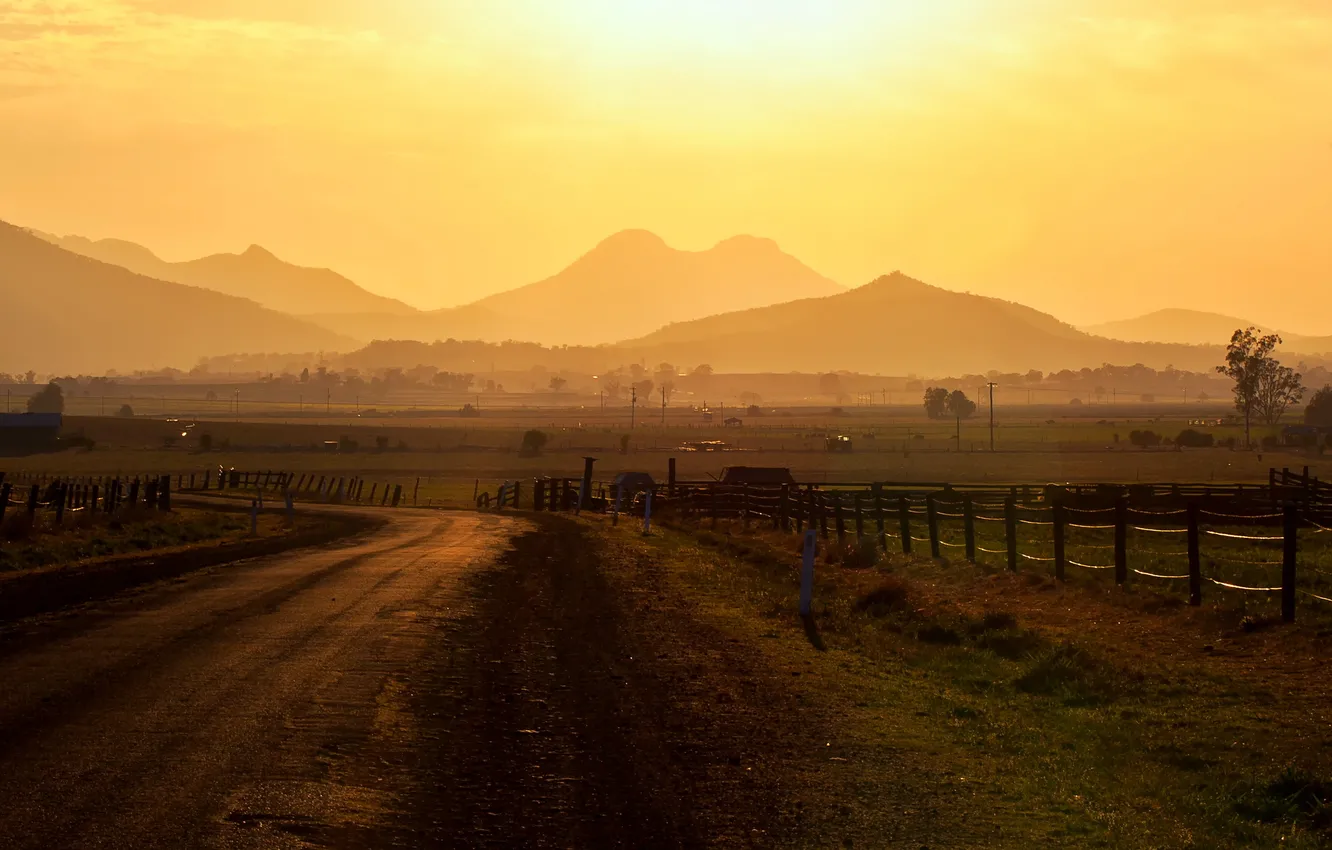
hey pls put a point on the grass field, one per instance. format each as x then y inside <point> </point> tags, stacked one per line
<point>452,456</point>
<point>1058,715</point>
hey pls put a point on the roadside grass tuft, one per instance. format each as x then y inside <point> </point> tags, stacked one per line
<point>1070,674</point>
<point>1295,797</point>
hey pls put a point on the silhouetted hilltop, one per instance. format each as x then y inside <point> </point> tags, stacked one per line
<point>67,313</point>
<point>633,282</point>
<point>255,274</point>
<point>897,325</point>
<point>1197,327</point>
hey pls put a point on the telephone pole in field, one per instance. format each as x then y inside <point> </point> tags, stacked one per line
<point>991,385</point>
<point>633,406</point>
<point>663,404</point>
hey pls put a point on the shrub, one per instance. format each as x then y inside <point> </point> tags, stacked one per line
<point>1270,442</point>
<point>1144,439</point>
<point>381,443</point>
<point>533,442</point>
<point>125,412</point>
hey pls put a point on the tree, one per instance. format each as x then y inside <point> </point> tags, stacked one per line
<point>830,384</point>
<point>644,388</point>
<point>557,383</point>
<point>1278,388</point>
<point>1248,357</point>
<point>305,375</point>
<point>959,406</point>
<point>1319,411</point>
<point>667,390</point>
<point>534,441</point>
<point>702,370</point>
<point>936,402</point>
<point>126,412</point>
<point>49,399</point>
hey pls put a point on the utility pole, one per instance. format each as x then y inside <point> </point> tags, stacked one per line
<point>663,405</point>
<point>633,406</point>
<point>328,402</point>
<point>992,385</point>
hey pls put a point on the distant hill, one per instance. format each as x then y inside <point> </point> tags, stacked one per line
<point>255,274</point>
<point>898,325</point>
<point>1198,327</point>
<point>630,284</point>
<point>70,313</point>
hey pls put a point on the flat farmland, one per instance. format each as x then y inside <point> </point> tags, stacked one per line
<point>453,456</point>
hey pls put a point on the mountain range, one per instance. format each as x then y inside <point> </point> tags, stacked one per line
<point>69,313</point>
<point>742,305</point>
<point>255,274</point>
<point>1198,327</point>
<point>898,325</point>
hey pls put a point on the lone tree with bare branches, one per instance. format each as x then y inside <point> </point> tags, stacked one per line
<point>1263,387</point>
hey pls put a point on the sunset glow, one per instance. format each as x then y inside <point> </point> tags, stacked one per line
<point>1009,148</point>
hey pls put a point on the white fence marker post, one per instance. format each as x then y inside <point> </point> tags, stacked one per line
<point>647,514</point>
<point>807,574</point>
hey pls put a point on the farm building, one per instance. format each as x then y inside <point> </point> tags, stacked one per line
<point>23,433</point>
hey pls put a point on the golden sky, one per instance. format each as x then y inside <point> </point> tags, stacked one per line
<point>1093,158</point>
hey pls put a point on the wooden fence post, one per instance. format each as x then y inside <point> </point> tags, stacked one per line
<point>860,518</point>
<point>1195,557</point>
<point>713,505</point>
<point>538,494</point>
<point>1291,517</point>
<point>839,514</point>
<point>373,488</point>
<point>744,506</point>
<point>1121,540</point>
<point>932,518</point>
<point>821,502</point>
<point>59,498</point>
<point>878,517</point>
<point>1010,532</point>
<point>164,494</point>
<point>969,526</point>
<point>904,523</point>
<point>1059,526</point>
<point>782,521</point>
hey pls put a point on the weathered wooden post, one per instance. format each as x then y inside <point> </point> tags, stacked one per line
<point>59,499</point>
<point>781,521</point>
<point>860,517</point>
<point>744,505</point>
<point>904,523</point>
<point>585,489</point>
<point>1010,532</point>
<point>969,526</point>
<point>499,499</point>
<point>1291,517</point>
<point>670,477</point>
<point>92,501</point>
<point>840,516</point>
<point>1195,557</point>
<point>397,494</point>
<point>1121,540</point>
<point>932,518</point>
<point>1059,526</point>
<point>5,489</point>
<point>164,494</point>
<point>713,505</point>
<point>878,517</point>
<point>554,494</point>
<point>34,494</point>
<point>538,494</point>
<point>416,489</point>
<point>373,488</point>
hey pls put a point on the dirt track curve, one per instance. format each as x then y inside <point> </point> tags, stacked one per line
<point>450,680</point>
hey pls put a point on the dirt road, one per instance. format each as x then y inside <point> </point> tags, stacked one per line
<point>451,680</point>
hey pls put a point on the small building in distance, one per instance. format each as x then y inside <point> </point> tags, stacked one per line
<point>29,433</point>
<point>757,476</point>
<point>733,422</point>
